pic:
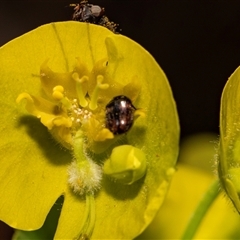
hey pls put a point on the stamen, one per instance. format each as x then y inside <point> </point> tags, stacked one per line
<point>139,113</point>
<point>94,97</point>
<point>59,96</point>
<point>79,86</point>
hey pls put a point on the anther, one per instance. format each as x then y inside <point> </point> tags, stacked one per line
<point>59,96</point>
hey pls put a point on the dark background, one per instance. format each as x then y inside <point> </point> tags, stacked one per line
<point>197,44</point>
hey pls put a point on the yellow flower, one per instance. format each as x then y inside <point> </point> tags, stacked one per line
<point>77,100</point>
<point>83,70</point>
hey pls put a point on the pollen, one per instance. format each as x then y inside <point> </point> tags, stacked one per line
<point>78,114</point>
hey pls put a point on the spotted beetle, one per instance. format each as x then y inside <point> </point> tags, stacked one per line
<point>119,115</point>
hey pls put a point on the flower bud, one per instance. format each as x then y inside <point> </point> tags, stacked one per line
<point>127,164</point>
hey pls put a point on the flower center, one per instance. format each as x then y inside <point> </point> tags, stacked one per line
<point>77,101</point>
<point>78,114</point>
<point>80,82</point>
<point>82,108</point>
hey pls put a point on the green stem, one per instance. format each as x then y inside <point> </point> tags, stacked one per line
<point>78,148</point>
<point>85,217</point>
<point>92,215</point>
<point>201,210</point>
<point>88,220</point>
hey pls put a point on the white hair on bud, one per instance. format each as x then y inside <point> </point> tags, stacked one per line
<point>84,179</point>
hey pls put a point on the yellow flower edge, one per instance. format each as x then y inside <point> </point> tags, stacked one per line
<point>36,171</point>
<point>229,143</point>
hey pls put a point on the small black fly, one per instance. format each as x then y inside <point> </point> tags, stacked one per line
<point>86,12</point>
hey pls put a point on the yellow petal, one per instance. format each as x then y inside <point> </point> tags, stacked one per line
<point>103,135</point>
<point>50,79</point>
